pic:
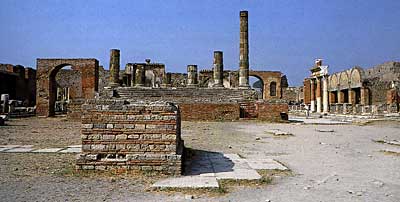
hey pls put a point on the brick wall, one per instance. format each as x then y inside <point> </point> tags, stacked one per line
<point>209,111</point>
<point>131,135</point>
<point>272,111</point>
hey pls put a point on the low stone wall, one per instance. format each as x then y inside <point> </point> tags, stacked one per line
<point>131,135</point>
<point>347,108</point>
<point>209,111</point>
<point>185,95</point>
<point>272,111</point>
<point>357,109</point>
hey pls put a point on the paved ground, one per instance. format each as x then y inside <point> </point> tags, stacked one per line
<point>329,163</point>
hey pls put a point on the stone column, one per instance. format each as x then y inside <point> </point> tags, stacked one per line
<point>167,80</point>
<point>364,96</point>
<point>130,71</point>
<point>191,75</point>
<point>312,89</point>
<point>352,96</point>
<point>318,95</point>
<point>140,76</point>
<point>4,100</point>
<point>340,96</point>
<point>244,51</point>
<point>325,101</point>
<point>218,69</point>
<point>114,67</point>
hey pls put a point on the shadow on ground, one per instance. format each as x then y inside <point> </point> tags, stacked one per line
<point>201,162</point>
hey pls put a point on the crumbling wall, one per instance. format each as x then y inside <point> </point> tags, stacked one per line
<point>122,134</point>
<point>178,79</point>
<point>19,83</point>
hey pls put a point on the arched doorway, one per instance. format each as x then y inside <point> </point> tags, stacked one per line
<point>47,71</point>
<point>257,84</point>
<point>68,87</point>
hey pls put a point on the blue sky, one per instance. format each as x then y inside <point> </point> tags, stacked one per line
<point>285,35</point>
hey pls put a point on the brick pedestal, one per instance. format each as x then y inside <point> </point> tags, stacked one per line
<point>131,135</point>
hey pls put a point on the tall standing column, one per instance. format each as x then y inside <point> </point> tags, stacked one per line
<point>244,51</point>
<point>325,95</point>
<point>140,76</point>
<point>318,95</point>
<point>218,69</point>
<point>312,97</point>
<point>192,76</point>
<point>114,67</point>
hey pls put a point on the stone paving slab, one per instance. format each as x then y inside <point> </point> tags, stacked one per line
<point>392,150</point>
<point>7,147</point>
<point>265,164</point>
<point>20,149</point>
<point>71,150</point>
<point>187,182</point>
<point>30,148</point>
<point>48,150</point>
<point>239,174</point>
<point>76,146</point>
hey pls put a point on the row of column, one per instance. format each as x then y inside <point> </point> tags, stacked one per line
<point>352,96</point>
<point>138,72</point>
<point>319,103</point>
<point>218,72</point>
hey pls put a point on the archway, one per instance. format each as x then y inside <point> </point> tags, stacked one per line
<point>257,84</point>
<point>47,70</point>
<point>267,77</point>
<point>68,87</point>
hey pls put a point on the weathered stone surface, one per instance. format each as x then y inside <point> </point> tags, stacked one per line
<point>187,182</point>
<point>131,135</point>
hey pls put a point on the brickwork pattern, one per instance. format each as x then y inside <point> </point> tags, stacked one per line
<point>122,134</point>
<point>47,70</point>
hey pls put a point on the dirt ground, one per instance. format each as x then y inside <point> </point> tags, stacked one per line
<point>343,165</point>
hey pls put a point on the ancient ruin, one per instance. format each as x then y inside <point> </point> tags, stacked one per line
<point>167,101</point>
<point>354,91</point>
<point>124,134</point>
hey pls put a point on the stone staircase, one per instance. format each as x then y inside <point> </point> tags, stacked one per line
<point>187,95</point>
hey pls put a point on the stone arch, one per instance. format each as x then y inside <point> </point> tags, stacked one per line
<point>333,82</point>
<point>262,85</point>
<point>355,78</point>
<point>47,70</point>
<point>267,77</point>
<point>343,80</point>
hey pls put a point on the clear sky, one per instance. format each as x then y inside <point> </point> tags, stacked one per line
<point>285,35</point>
